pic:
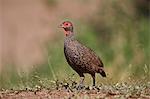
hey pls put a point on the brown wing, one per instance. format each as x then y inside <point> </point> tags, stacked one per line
<point>88,55</point>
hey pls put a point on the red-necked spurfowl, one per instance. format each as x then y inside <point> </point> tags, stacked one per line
<point>81,58</point>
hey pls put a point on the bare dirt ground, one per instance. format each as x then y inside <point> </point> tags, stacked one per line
<point>68,92</point>
<point>59,94</point>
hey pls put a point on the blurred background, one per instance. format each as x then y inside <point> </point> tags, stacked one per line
<point>31,45</point>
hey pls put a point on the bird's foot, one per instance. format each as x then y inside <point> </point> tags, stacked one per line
<point>91,88</point>
<point>80,87</point>
<point>94,87</point>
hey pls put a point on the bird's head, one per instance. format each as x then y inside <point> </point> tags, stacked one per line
<point>67,26</point>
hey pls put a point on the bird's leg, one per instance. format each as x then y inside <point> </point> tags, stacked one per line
<point>93,76</point>
<point>93,87</point>
<point>81,82</point>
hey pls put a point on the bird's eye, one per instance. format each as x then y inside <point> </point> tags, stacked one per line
<point>66,23</point>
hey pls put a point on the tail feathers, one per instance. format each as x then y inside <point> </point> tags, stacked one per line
<point>102,72</point>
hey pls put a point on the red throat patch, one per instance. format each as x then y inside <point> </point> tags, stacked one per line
<point>66,33</point>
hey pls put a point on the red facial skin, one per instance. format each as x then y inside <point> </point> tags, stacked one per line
<point>66,26</point>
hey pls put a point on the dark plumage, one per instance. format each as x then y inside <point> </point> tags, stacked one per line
<point>81,58</point>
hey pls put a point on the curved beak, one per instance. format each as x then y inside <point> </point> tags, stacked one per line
<point>60,26</point>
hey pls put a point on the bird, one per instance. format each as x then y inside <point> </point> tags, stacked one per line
<point>82,59</point>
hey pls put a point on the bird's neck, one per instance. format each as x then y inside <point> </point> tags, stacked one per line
<point>69,37</point>
<point>69,34</point>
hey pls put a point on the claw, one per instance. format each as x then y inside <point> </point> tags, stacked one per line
<point>81,86</point>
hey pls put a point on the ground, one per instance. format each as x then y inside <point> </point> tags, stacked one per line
<point>119,90</point>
